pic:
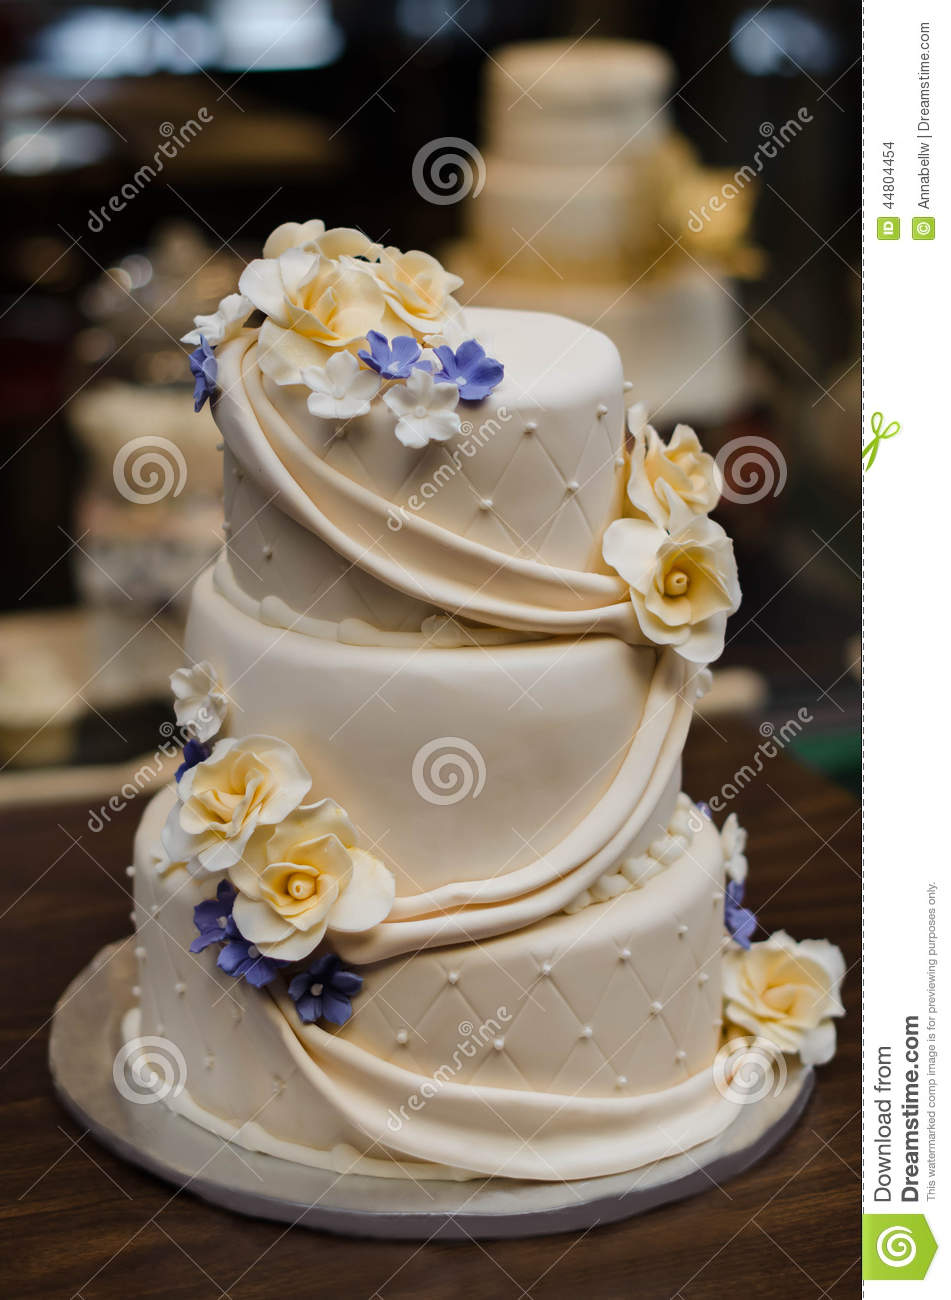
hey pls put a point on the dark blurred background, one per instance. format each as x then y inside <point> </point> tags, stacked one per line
<point>320,109</point>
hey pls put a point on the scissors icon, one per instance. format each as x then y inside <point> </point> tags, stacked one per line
<point>881,432</point>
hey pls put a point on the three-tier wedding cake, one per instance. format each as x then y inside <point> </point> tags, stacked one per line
<point>426,899</point>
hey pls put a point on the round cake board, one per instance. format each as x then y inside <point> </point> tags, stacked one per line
<point>86,1037</point>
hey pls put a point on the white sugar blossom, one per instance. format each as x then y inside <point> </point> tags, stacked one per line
<point>733,843</point>
<point>200,704</point>
<point>313,235</point>
<point>787,993</point>
<point>296,882</point>
<point>425,410</point>
<point>222,324</point>
<point>341,389</point>
<point>243,784</point>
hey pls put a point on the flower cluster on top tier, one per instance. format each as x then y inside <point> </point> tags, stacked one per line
<point>290,873</point>
<point>326,294</point>
<point>677,562</point>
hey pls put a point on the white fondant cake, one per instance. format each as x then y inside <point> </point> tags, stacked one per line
<point>585,210</point>
<point>436,906</point>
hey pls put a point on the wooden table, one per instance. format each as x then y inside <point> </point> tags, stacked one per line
<point>78,1222</point>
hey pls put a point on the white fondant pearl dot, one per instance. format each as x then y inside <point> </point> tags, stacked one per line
<point>267,550</point>
<point>602,409</point>
<point>499,1044</point>
<point>621,1081</point>
<point>209,1061</point>
<point>132,917</point>
<point>656,1008</point>
<point>453,977</point>
<point>136,991</point>
<point>402,1037</point>
<point>718,1024</point>
<point>681,1055</point>
<point>586,1031</point>
<point>130,871</point>
<point>486,503</point>
<point>140,953</point>
<point>681,930</point>
<point>546,968</point>
<point>628,385</point>
<point>530,426</point>
<point>717,898</point>
<point>180,988</point>
<point>703,977</point>
<point>160,1027</point>
<point>624,954</point>
<point>154,909</point>
<point>572,486</point>
<point>619,462</point>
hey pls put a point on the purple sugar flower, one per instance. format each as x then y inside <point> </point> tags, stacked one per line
<point>204,367</point>
<point>324,991</point>
<point>193,752</point>
<point>238,957</point>
<point>739,920</point>
<point>469,369</point>
<point>394,360</point>
<point>212,917</point>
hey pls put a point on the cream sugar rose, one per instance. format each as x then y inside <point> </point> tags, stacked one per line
<point>434,773</point>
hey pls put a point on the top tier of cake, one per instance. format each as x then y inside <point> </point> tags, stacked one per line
<point>591,102</point>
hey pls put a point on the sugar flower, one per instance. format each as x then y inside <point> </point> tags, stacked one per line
<point>787,993</point>
<point>214,921</point>
<point>739,920</point>
<point>223,324</point>
<point>341,389</point>
<point>425,410</point>
<point>204,367</point>
<point>200,704</point>
<point>662,473</point>
<point>394,360</point>
<point>418,289</point>
<point>325,991</point>
<point>307,876</point>
<point>243,784</point>
<point>683,583</point>
<point>473,373</point>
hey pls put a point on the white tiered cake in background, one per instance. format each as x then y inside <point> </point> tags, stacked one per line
<point>585,210</point>
<point>437,907</point>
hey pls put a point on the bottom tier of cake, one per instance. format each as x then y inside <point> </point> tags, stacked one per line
<point>580,1046</point>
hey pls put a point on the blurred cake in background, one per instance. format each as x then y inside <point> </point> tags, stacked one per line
<point>590,207</point>
<point>148,514</point>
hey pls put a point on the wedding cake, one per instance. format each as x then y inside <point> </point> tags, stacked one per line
<point>587,205</point>
<point>426,899</point>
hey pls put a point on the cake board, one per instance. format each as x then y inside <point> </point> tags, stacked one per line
<point>86,1036</point>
